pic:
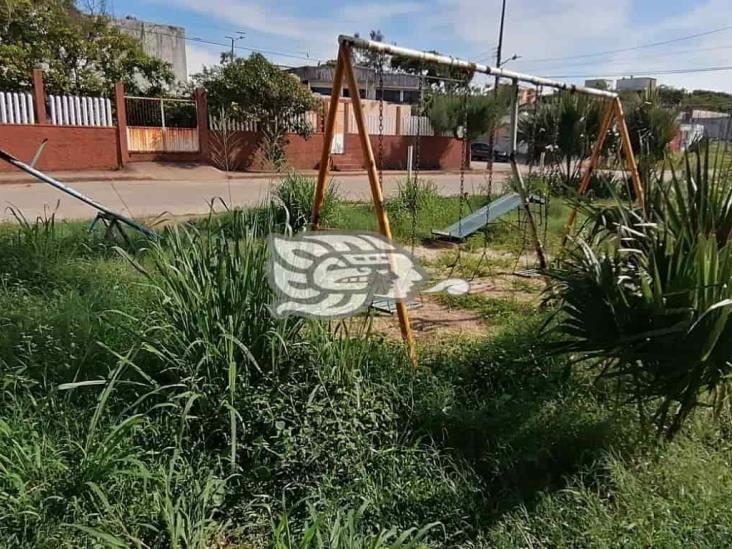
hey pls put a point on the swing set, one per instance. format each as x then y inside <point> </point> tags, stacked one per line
<point>345,75</point>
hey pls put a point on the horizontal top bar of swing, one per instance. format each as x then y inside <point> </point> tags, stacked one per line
<point>381,47</point>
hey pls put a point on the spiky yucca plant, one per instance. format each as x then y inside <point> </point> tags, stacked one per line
<point>646,298</point>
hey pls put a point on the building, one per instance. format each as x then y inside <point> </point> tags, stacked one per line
<point>716,125</point>
<point>165,42</point>
<point>600,83</point>
<point>398,87</point>
<point>642,85</point>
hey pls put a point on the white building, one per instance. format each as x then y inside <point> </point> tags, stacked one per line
<point>636,84</point>
<point>165,42</point>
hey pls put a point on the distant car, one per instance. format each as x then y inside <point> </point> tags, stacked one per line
<point>481,152</point>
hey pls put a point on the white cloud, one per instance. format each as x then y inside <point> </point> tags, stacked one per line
<point>563,28</point>
<point>198,56</point>
<point>534,30</point>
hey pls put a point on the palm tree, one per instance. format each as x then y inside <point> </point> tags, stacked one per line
<point>563,128</point>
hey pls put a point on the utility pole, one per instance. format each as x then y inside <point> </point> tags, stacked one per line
<point>492,139</point>
<point>500,41</point>
<point>235,39</point>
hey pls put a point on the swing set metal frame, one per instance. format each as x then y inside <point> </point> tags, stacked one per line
<point>345,74</point>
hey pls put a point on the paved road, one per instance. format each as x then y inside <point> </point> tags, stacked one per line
<point>190,196</point>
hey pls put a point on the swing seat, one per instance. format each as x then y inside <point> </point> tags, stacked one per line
<point>482,216</point>
<point>388,306</point>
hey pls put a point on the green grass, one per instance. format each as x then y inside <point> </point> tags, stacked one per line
<point>149,400</point>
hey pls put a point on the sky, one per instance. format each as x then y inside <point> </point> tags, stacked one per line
<point>567,39</point>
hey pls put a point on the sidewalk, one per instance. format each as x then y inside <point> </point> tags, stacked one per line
<point>168,171</point>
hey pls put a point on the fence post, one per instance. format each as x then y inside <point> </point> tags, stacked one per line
<point>398,122</point>
<point>123,155</point>
<point>39,97</point>
<point>202,123</point>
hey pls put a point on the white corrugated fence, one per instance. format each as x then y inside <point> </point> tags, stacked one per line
<point>16,108</point>
<point>74,110</point>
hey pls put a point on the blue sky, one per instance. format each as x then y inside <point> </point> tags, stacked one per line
<point>547,34</point>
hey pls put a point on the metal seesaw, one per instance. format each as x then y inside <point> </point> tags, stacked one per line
<point>111,219</point>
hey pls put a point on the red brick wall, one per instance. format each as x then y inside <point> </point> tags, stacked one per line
<point>68,147</point>
<point>441,153</point>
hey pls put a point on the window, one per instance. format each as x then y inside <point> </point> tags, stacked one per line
<point>389,95</point>
<point>322,91</point>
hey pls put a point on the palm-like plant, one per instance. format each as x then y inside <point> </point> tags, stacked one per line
<point>563,128</point>
<point>650,304</point>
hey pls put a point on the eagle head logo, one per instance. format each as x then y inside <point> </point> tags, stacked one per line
<point>338,274</point>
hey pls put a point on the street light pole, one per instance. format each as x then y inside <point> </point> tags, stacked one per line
<point>234,39</point>
<point>492,138</point>
<point>500,40</point>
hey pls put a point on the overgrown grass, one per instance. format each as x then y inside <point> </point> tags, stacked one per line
<point>147,399</point>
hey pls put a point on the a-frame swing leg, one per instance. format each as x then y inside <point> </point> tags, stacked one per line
<point>328,141</point>
<point>629,155</point>
<point>614,110</point>
<point>345,67</point>
<point>607,120</point>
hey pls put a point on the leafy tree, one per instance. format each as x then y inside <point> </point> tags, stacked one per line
<point>668,96</point>
<point>711,100</point>
<point>253,89</point>
<point>80,53</point>
<point>370,59</point>
<point>438,77</point>
<point>447,112</point>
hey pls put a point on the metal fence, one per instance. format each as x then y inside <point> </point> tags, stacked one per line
<point>16,108</point>
<point>160,112</point>
<point>217,123</point>
<point>74,110</point>
<point>161,124</point>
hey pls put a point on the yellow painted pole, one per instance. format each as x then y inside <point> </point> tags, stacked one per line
<point>335,97</point>
<point>629,155</point>
<point>376,192</point>
<point>607,121</point>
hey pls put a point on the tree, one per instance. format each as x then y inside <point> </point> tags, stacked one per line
<point>80,53</point>
<point>253,89</point>
<point>563,128</point>
<point>370,59</point>
<point>447,112</point>
<point>438,77</point>
<point>668,96</point>
<point>651,128</point>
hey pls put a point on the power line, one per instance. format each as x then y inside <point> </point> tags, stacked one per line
<point>646,72</point>
<point>651,56</point>
<point>244,48</point>
<point>650,45</point>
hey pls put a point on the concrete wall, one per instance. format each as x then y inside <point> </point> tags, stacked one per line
<point>68,147</point>
<point>163,41</point>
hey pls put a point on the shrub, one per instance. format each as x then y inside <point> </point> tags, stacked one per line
<point>650,304</point>
<point>295,194</point>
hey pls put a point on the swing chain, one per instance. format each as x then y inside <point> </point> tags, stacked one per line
<point>382,59</point>
<point>415,183</point>
<point>463,167</point>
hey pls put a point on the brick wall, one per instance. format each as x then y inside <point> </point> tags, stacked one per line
<point>442,153</point>
<point>68,147</point>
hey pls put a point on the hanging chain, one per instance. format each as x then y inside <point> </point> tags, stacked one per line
<point>463,161</point>
<point>489,190</point>
<point>382,59</point>
<point>464,152</point>
<point>417,153</point>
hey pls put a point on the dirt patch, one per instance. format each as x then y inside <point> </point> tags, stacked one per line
<point>432,319</point>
